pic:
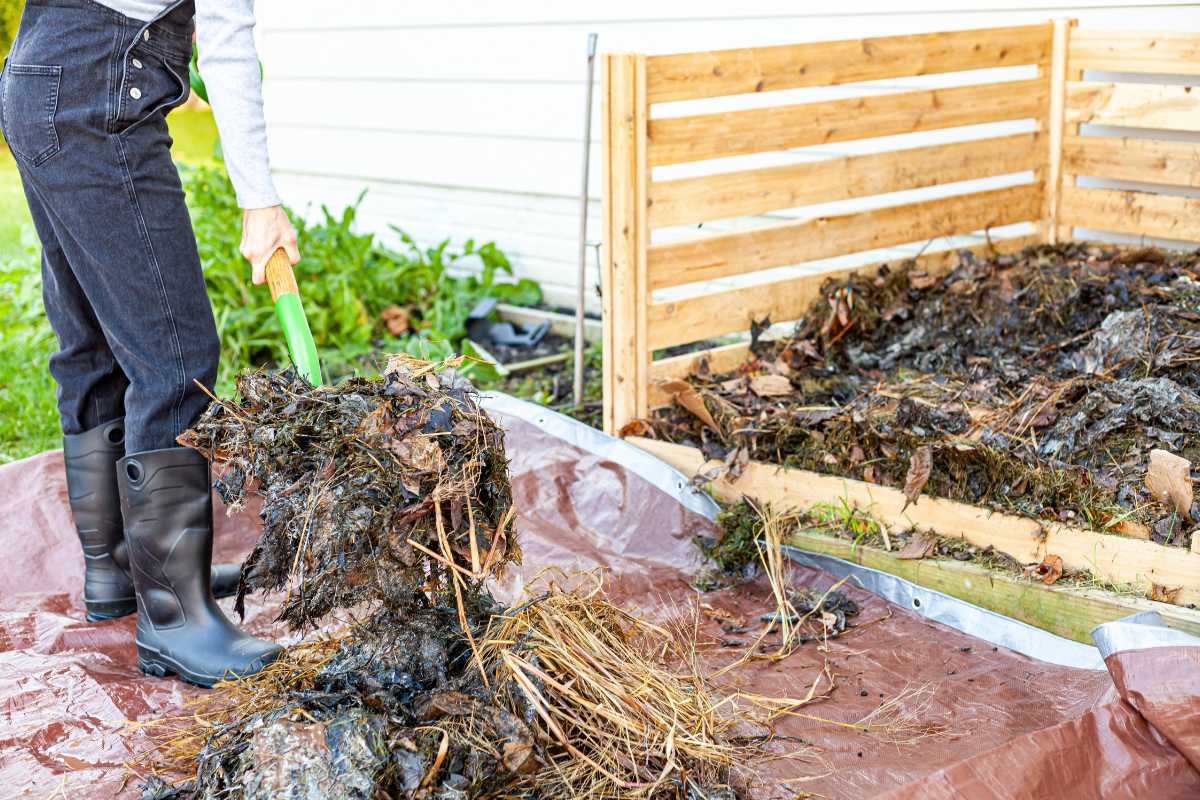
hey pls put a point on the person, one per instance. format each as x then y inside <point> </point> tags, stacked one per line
<point>84,96</point>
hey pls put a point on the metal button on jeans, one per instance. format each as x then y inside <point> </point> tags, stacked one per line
<point>137,63</point>
<point>135,93</point>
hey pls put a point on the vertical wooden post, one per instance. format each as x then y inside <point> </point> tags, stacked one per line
<point>625,288</point>
<point>1059,68</point>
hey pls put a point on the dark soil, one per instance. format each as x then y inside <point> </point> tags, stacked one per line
<point>551,344</point>
<point>1040,382</point>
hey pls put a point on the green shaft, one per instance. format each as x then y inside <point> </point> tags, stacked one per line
<point>299,338</point>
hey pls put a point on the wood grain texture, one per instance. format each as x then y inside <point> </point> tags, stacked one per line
<point>677,140</point>
<point>734,194</point>
<point>1146,160</point>
<point>1136,213</point>
<point>723,312</point>
<point>709,257</point>
<point>1136,105</point>
<point>280,276</point>
<point>689,76</point>
<point>1165,52</point>
<point>625,356</point>
<point>1056,125</point>
<point>1112,559</point>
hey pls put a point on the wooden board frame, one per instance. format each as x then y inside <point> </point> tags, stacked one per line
<point>1054,179</point>
<point>1111,558</point>
<point>1058,153</point>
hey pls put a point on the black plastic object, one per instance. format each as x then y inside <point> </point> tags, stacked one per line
<point>481,329</point>
<point>91,459</point>
<point>166,499</point>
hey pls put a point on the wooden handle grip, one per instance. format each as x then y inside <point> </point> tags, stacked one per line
<point>280,277</point>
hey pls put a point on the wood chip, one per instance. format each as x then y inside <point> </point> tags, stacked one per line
<point>919,546</point>
<point>771,385</point>
<point>919,470</point>
<point>1169,479</point>
<point>686,396</point>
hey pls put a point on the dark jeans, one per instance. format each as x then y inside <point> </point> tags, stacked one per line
<point>83,102</point>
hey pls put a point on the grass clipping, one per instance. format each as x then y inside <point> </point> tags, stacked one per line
<point>392,495</point>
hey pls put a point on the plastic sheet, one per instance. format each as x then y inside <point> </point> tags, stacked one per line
<point>999,724</point>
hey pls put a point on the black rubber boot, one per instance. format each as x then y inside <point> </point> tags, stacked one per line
<point>91,459</point>
<point>166,501</point>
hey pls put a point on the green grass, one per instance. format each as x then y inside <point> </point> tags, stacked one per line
<point>28,418</point>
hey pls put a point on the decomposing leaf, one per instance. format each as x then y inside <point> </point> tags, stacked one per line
<point>919,545</point>
<point>1132,529</point>
<point>635,427</point>
<point>689,398</point>
<point>869,474</point>
<point>857,455</point>
<point>830,459</point>
<point>1050,570</point>
<point>1169,479</point>
<point>1162,594</point>
<point>919,470</point>
<point>921,280</point>
<point>770,385</point>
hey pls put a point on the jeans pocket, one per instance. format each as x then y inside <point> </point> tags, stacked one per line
<point>28,105</point>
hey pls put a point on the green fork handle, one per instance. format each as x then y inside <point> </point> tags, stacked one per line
<point>290,312</point>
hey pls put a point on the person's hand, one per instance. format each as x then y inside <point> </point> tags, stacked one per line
<point>265,230</point>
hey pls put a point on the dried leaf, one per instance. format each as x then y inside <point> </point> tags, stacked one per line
<point>830,459</point>
<point>686,396</point>
<point>1132,529</point>
<point>770,385</point>
<point>1050,570</point>
<point>1162,594</point>
<point>1169,479</point>
<point>869,474</point>
<point>919,470</point>
<point>857,456</point>
<point>919,546</point>
<point>921,280</point>
<point>635,427</point>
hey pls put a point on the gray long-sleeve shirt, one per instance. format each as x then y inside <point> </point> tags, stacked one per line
<point>229,63</point>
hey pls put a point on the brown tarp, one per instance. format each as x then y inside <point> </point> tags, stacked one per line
<point>988,723</point>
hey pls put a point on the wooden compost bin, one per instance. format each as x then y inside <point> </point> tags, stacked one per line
<point>1070,77</point>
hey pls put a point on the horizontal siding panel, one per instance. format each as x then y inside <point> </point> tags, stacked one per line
<point>516,165</point>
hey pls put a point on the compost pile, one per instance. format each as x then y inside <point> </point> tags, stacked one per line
<point>1038,384</point>
<point>388,501</point>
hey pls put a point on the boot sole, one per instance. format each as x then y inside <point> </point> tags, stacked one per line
<point>154,663</point>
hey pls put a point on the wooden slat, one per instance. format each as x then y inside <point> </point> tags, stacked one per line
<point>677,140</point>
<point>720,313</point>
<point>690,76</point>
<point>1136,213</point>
<point>1146,160</point>
<point>735,194</point>
<point>1067,611</point>
<point>1137,105</point>
<point>1056,123</point>
<point>626,360</point>
<point>1170,53</point>
<point>1115,559</point>
<point>709,257</point>
<point>720,359</point>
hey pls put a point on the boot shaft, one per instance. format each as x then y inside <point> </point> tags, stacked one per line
<point>166,500</point>
<point>90,459</point>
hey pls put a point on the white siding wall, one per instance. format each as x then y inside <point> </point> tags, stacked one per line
<point>463,118</point>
